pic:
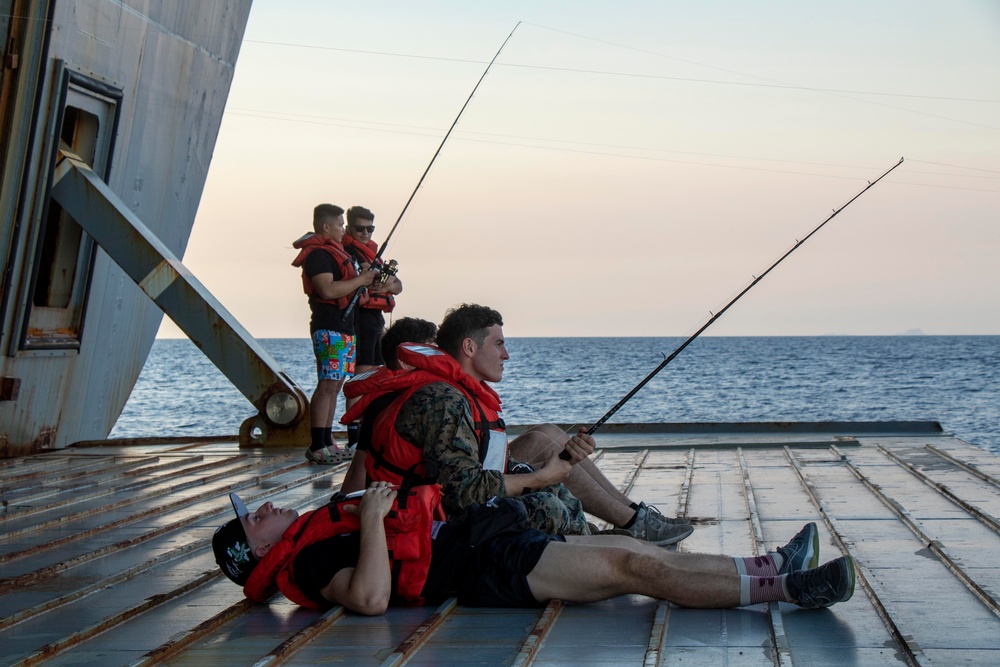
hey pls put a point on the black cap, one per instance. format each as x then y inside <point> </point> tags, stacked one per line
<point>232,550</point>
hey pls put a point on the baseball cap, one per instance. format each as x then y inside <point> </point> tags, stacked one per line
<point>231,547</point>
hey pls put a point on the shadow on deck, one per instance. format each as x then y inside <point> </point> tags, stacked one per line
<point>106,559</point>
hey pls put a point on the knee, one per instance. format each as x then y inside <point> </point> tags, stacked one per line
<point>625,567</point>
<point>539,439</point>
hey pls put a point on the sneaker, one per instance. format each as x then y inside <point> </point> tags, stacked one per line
<point>650,527</point>
<point>329,456</point>
<point>802,552</point>
<point>652,509</point>
<point>823,586</point>
<point>594,530</point>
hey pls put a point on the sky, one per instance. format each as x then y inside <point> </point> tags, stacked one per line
<point>624,169</point>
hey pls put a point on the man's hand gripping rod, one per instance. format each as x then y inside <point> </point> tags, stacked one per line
<point>600,422</point>
<point>378,255</point>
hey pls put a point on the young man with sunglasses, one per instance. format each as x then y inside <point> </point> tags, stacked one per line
<point>370,322</point>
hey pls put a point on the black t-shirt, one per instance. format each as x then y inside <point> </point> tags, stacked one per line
<point>326,315</point>
<point>316,564</point>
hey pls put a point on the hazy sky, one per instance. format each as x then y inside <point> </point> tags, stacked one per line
<point>625,167</point>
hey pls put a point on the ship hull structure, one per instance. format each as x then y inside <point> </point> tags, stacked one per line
<point>137,89</point>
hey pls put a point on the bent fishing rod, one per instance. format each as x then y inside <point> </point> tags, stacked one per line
<point>715,316</point>
<point>385,243</point>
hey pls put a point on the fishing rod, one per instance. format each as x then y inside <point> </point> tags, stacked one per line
<point>715,316</point>
<point>385,243</point>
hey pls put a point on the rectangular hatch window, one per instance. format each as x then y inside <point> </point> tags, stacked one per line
<point>64,252</point>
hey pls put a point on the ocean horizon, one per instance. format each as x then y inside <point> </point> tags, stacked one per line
<point>954,380</point>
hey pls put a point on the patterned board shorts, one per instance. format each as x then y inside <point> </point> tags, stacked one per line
<point>334,354</point>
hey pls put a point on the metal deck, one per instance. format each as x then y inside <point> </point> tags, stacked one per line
<point>105,557</point>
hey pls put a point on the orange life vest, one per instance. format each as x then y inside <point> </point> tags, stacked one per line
<point>408,534</point>
<point>310,243</point>
<point>365,252</point>
<point>393,459</point>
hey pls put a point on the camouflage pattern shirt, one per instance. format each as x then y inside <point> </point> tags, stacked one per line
<point>438,419</point>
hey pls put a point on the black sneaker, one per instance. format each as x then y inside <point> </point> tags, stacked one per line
<point>802,552</point>
<point>823,586</point>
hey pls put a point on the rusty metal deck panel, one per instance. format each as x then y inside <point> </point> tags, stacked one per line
<point>105,557</point>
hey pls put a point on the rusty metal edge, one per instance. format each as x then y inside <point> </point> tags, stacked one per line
<point>82,635</point>
<point>42,525</point>
<point>54,569</point>
<point>288,647</point>
<point>405,650</point>
<point>913,653</point>
<point>533,642</point>
<point>184,639</point>
<point>780,654</point>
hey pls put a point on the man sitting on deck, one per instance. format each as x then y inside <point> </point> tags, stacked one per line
<point>444,426</point>
<point>403,330</point>
<point>367,554</point>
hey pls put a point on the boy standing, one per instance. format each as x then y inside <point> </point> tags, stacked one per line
<point>330,277</point>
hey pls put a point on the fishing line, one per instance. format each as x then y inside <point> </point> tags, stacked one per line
<point>756,279</point>
<point>378,255</point>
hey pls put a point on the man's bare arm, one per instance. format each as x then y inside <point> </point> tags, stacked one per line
<point>328,288</point>
<point>367,587</point>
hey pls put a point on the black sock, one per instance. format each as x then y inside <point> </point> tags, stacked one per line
<point>328,438</point>
<point>316,435</point>
<point>634,506</point>
<point>631,522</point>
<point>353,429</point>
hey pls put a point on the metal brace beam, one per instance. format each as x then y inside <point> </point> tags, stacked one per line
<point>281,404</point>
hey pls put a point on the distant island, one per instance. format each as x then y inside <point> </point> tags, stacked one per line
<point>913,332</point>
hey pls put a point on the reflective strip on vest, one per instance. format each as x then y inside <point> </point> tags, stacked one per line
<point>425,350</point>
<point>496,452</point>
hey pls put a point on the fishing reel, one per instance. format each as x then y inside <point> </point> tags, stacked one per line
<point>388,269</point>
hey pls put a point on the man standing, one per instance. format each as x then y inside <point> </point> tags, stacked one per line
<point>370,323</point>
<point>445,426</point>
<point>330,277</point>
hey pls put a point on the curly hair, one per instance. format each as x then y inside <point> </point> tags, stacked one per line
<point>405,330</point>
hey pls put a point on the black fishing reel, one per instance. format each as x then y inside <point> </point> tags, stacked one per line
<point>388,270</point>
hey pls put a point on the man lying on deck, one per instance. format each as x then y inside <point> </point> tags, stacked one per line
<point>444,425</point>
<point>367,554</point>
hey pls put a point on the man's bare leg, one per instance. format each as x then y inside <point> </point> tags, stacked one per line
<point>322,407</point>
<point>586,481</point>
<point>587,569</point>
<point>598,567</point>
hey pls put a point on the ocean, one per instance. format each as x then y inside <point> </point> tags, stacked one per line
<point>951,379</point>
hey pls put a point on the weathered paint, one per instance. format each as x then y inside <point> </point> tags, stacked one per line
<point>171,65</point>
<point>929,566</point>
<point>167,282</point>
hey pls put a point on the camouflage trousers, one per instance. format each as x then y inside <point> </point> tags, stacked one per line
<point>556,511</point>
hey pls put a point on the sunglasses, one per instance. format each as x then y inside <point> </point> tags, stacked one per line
<point>361,228</point>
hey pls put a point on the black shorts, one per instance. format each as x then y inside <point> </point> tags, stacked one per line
<point>369,328</point>
<point>498,573</point>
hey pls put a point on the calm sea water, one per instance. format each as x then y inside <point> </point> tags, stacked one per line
<point>951,379</point>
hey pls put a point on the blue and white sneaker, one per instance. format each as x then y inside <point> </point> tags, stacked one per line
<point>802,552</point>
